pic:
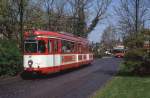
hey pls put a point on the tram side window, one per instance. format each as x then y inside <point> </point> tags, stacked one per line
<point>72,46</point>
<point>55,46</point>
<point>49,47</point>
<point>79,48</point>
<point>85,49</point>
<point>68,47</point>
<point>41,46</point>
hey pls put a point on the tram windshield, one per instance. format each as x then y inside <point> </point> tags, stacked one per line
<point>34,46</point>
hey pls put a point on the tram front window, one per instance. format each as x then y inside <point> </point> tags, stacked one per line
<point>34,46</point>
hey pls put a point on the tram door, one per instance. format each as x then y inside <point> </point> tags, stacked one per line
<point>54,51</point>
<point>50,51</point>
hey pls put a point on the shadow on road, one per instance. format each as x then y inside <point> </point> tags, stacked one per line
<point>31,76</point>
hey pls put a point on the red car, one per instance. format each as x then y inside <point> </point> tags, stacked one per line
<point>119,55</point>
<point>119,51</point>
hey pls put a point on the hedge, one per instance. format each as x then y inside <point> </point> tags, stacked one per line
<point>10,58</point>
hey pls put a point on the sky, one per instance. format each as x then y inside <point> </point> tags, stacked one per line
<point>95,35</point>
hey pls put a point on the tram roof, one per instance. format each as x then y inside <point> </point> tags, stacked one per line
<point>62,35</point>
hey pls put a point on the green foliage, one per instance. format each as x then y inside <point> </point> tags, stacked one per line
<point>134,41</point>
<point>98,52</point>
<point>136,57</point>
<point>10,58</point>
<point>132,60</point>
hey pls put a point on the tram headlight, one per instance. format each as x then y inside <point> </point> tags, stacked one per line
<point>30,62</point>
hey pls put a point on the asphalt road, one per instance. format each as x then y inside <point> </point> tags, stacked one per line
<point>79,83</point>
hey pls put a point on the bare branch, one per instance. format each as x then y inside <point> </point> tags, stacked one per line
<point>101,11</point>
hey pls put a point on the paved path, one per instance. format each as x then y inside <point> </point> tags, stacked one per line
<point>79,83</point>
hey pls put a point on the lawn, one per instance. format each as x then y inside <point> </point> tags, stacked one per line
<point>126,87</point>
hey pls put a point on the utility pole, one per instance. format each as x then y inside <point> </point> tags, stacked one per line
<point>21,9</point>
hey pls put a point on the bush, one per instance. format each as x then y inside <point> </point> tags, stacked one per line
<point>10,58</point>
<point>130,66</point>
<point>135,55</point>
<point>133,60</point>
<point>136,60</point>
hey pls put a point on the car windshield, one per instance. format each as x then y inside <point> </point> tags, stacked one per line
<point>32,46</point>
<point>118,51</point>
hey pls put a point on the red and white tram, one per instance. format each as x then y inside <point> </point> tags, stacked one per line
<point>48,52</point>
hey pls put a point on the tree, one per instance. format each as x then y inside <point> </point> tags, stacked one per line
<point>34,16</point>
<point>110,37</point>
<point>11,18</point>
<point>21,16</point>
<point>53,15</point>
<point>131,15</point>
<point>81,10</point>
<point>49,10</point>
<point>8,18</point>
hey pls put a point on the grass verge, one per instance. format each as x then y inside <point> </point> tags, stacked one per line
<point>126,87</point>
